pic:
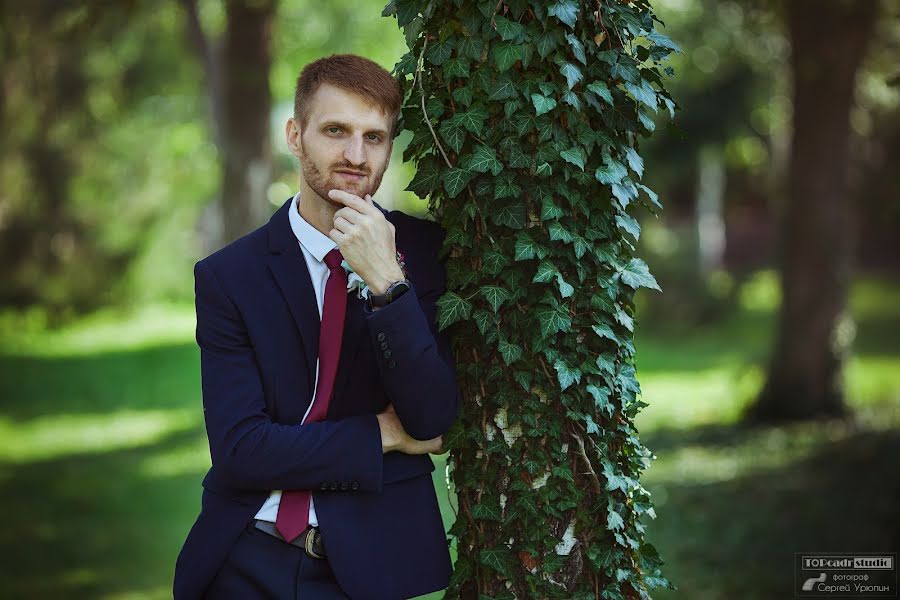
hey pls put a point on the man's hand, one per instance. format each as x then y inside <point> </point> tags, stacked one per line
<point>394,437</point>
<point>366,240</point>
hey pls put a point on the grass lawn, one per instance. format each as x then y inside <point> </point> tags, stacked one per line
<point>103,452</point>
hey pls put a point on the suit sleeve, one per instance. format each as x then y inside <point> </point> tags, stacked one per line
<point>414,359</point>
<point>249,450</point>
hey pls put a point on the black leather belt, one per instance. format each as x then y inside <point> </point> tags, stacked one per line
<point>310,540</point>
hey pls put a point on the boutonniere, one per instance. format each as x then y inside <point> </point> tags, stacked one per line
<point>355,282</point>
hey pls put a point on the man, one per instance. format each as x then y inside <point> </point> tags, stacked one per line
<point>322,405</point>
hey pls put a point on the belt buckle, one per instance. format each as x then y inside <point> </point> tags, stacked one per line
<point>309,542</point>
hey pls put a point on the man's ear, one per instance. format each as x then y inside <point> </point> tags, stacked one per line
<point>292,136</point>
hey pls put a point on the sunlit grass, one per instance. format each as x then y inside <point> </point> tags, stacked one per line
<point>26,334</point>
<point>54,436</point>
<point>102,429</point>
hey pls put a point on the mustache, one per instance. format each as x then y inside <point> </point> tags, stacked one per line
<point>350,168</point>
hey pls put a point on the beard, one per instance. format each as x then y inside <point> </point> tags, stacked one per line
<point>321,182</point>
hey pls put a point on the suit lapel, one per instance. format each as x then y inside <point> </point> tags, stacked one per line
<point>288,267</point>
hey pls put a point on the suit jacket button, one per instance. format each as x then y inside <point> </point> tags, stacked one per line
<point>392,364</point>
<point>334,485</point>
<point>344,486</point>
<point>354,486</point>
<point>384,345</point>
<point>387,353</point>
<point>380,336</point>
<point>325,486</point>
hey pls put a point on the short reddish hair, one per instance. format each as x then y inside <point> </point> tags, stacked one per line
<point>353,73</point>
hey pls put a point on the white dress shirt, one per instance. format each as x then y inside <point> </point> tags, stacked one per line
<point>315,246</point>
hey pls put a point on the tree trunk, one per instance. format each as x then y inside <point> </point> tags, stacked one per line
<point>804,380</point>
<point>247,58</point>
<point>237,81</point>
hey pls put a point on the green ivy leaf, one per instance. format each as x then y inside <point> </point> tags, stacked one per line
<point>575,156</point>
<point>463,95</point>
<point>502,88</point>
<point>604,331</point>
<point>508,30</point>
<point>526,248</point>
<point>484,159</point>
<point>644,94</point>
<point>566,375</point>
<point>601,398</point>
<point>571,73</point>
<point>651,195</point>
<point>542,104</point>
<point>455,180</point>
<point>470,47</point>
<point>472,119</point>
<point>483,320</point>
<point>549,210</point>
<point>545,43</point>
<point>559,233</point>
<point>425,180</point>
<point>545,272</point>
<point>564,10</point>
<point>456,67</point>
<point>511,215</point>
<point>510,352</point>
<point>636,274</point>
<point>635,161</point>
<point>452,308</point>
<point>505,55</point>
<point>629,224</point>
<point>600,88</point>
<point>662,40</point>
<point>551,320</point>
<point>495,560</point>
<point>486,512</point>
<point>577,48</point>
<point>506,188</point>
<point>493,262</point>
<point>544,170</point>
<point>439,52</point>
<point>614,521</point>
<point>495,295</point>
<point>452,135</point>
<point>565,289</point>
<point>612,171</point>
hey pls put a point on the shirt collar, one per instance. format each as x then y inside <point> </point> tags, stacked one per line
<point>314,241</point>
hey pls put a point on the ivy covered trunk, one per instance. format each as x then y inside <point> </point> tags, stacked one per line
<point>525,118</point>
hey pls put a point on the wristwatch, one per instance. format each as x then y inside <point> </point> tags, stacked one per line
<point>394,291</point>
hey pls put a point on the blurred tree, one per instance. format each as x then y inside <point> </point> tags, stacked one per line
<point>828,43</point>
<point>237,77</point>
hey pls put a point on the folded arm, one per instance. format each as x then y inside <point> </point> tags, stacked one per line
<point>250,451</point>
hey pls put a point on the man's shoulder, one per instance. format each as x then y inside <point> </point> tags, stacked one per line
<point>243,254</point>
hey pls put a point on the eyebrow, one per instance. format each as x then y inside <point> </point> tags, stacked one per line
<point>326,124</point>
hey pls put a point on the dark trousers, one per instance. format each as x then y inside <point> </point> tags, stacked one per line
<point>262,566</point>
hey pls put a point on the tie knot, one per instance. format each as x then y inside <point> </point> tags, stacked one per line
<point>333,259</point>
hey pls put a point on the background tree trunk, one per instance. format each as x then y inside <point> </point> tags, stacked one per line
<point>828,41</point>
<point>237,77</point>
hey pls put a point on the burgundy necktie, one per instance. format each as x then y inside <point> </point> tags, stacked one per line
<point>293,510</point>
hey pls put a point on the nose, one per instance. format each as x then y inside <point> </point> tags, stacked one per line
<point>355,151</point>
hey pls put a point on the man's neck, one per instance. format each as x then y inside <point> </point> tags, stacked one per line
<point>315,210</point>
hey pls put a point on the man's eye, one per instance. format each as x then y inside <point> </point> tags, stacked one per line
<point>374,137</point>
<point>334,129</point>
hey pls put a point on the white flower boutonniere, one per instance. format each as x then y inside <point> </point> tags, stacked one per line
<point>355,282</point>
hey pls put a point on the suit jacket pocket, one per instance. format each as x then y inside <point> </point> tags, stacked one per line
<point>399,466</point>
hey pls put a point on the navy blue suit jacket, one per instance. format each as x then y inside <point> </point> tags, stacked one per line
<point>258,332</point>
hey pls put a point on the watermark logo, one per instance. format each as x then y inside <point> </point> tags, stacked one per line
<point>841,575</point>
